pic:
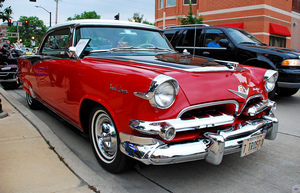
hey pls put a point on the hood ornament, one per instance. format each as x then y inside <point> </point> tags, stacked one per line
<point>241,92</point>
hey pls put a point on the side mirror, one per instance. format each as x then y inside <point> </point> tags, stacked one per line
<point>224,43</point>
<point>78,50</point>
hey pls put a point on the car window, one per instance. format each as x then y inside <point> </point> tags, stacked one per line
<point>212,37</point>
<point>171,34</point>
<point>56,43</point>
<point>241,36</point>
<point>188,38</point>
<point>112,37</point>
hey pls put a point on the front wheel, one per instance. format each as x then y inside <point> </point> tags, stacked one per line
<point>287,91</point>
<point>10,85</point>
<point>106,143</point>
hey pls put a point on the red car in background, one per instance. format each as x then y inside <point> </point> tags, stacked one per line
<point>138,99</point>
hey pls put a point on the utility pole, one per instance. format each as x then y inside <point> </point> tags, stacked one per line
<point>56,11</point>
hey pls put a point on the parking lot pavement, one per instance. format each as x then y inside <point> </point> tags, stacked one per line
<point>27,162</point>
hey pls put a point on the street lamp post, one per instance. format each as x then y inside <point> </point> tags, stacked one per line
<point>45,10</point>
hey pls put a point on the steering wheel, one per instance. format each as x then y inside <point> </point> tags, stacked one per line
<point>145,45</point>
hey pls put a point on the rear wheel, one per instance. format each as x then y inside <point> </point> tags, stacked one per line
<point>106,143</point>
<point>32,103</point>
<point>287,91</point>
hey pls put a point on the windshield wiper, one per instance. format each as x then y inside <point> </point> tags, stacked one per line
<point>127,48</point>
<point>158,49</point>
<point>131,48</point>
<point>93,51</point>
<point>252,43</point>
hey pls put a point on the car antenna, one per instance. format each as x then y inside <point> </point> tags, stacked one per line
<point>195,36</point>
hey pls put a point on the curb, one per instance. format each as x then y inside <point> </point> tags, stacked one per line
<point>79,168</point>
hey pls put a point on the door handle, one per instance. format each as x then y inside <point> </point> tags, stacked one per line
<point>206,53</point>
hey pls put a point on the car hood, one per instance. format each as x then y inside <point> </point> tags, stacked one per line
<point>201,79</point>
<point>284,52</point>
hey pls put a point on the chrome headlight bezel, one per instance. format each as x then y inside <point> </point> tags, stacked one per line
<point>291,62</point>
<point>270,78</point>
<point>162,87</point>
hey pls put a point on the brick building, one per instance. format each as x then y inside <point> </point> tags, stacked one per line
<point>274,22</point>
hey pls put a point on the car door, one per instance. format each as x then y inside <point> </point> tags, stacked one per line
<point>189,40</point>
<point>52,70</point>
<point>212,48</point>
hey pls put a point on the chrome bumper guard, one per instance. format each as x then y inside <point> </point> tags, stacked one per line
<point>212,148</point>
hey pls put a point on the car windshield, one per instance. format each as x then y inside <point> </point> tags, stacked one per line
<point>243,37</point>
<point>117,39</point>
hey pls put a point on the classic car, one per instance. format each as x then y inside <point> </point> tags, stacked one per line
<point>124,85</point>
<point>240,46</point>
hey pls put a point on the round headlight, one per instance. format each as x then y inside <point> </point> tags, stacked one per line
<point>270,80</point>
<point>162,92</point>
<point>164,95</point>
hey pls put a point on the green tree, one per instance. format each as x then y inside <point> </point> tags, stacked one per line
<point>85,15</point>
<point>36,29</point>
<point>139,18</point>
<point>5,14</point>
<point>190,18</point>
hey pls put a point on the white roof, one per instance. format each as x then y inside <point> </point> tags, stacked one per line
<point>100,22</point>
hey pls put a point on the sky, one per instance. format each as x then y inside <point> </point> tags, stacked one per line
<point>68,8</point>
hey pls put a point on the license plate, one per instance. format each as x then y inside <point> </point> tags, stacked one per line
<point>253,144</point>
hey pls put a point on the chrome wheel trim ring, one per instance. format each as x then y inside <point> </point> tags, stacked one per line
<point>104,136</point>
<point>29,99</point>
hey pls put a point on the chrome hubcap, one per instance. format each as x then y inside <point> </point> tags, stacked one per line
<point>105,137</point>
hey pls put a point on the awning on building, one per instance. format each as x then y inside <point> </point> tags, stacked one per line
<point>236,25</point>
<point>279,29</point>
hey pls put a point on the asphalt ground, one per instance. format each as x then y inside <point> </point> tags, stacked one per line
<point>275,168</point>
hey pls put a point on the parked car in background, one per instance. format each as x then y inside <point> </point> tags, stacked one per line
<point>124,85</point>
<point>8,66</point>
<point>28,51</point>
<point>238,45</point>
<point>34,50</point>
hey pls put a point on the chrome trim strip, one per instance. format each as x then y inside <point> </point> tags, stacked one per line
<point>210,104</point>
<point>194,69</point>
<point>154,127</point>
<point>200,48</point>
<point>250,98</point>
<point>212,148</point>
<point>9,80</point>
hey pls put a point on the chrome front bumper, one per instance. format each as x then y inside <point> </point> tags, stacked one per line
<point>212,148</point>
<point>13,75</point>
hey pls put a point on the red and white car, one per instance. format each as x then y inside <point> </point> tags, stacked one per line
<point>138,99</point>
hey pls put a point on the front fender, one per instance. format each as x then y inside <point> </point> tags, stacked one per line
<point>257,62</point>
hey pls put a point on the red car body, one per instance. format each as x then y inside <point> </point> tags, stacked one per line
<point>150,104</point>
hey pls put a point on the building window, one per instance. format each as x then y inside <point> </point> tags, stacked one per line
<point>186,2</point>
<point>160,4</point>
<point>171,3</point>
<point>278,41</point>
<point>296,6</point>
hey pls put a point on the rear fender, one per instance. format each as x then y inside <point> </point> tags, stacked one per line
<point>26,84</point>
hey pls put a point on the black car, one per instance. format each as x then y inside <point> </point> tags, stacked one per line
<point>226,43</point>
<point>8,66</point>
